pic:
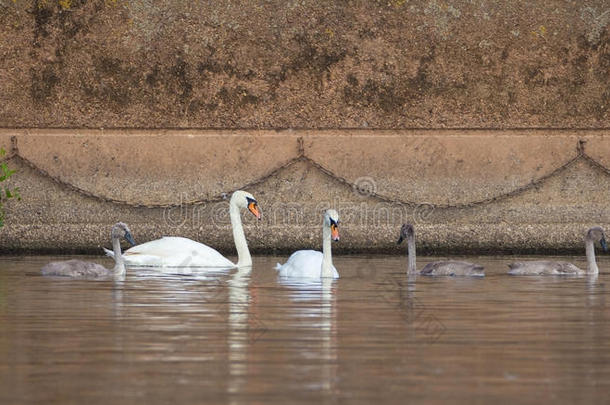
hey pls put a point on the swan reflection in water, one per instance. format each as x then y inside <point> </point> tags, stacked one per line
<point>239,331</point>
<point>316,299</point>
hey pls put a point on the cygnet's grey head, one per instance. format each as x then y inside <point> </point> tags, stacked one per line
<point>406,231</point>
<point>121,230</point>
<point>596,234</point>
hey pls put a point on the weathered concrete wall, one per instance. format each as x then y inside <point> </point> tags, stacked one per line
<point>466,190</point>
<point>373,85</point>
<point>305,64</point>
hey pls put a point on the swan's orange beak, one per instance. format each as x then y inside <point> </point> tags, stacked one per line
<point>254,209</point>
<point>334,232</point>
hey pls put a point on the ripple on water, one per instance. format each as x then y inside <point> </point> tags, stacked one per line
<point>247,336</point>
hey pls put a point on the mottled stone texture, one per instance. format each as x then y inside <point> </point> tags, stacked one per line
<point>305,64</point>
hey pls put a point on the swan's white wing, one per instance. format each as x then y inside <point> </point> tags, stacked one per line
<point>304,264</point>
<point>175,251</point>
<point>108,252</point>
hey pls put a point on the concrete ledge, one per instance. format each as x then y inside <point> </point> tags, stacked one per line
<point>466,190</point>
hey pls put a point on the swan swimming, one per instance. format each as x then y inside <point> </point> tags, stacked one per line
<point>311,263</point>
<point>545,268</point>
<point>175,251</point>
<point>79,268</point>
<point>441,268</point>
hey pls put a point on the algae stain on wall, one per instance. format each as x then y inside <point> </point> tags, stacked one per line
<point>65,4</point>
<point>596,23</point>
<point>442,14</point>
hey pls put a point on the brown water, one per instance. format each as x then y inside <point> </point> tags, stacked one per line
<point>244,338</point>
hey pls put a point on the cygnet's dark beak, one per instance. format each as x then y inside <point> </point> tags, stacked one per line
<point>129,239</point>
<point>400,240</point>
<point>604,244</point>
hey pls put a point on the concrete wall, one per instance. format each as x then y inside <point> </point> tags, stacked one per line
<point>466,190</point>
<point>464,117</point>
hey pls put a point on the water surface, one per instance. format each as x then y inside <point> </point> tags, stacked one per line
<point>246,337</point>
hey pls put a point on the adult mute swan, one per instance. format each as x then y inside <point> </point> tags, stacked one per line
<point>175,251</point>
<point>546,268</point>
<point>311,263</point>
<point>442,268</point>
<point>79,268</point>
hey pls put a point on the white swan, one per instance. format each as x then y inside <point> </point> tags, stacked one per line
<point>441,268</point>
<point>311,263</point>
<point>174,251</point>
<point>79,268</point>
<point>546,268</point>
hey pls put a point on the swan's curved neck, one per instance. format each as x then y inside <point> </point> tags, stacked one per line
<point>591,264</point>
<point>241,245</point>
<point>119,263</point>
<point>327,257</point>
<point>412,268</point>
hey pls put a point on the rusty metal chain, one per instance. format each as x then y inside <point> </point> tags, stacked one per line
<point>301,156</point>
<point>201,201</point>
<point>581,154</point>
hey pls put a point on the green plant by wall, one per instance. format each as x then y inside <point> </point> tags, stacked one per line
<point>6,192</point>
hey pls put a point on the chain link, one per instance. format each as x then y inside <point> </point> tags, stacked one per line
<point>302,157</point>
